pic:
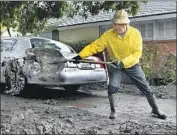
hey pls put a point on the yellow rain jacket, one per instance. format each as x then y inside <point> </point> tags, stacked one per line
<point>128,49</point>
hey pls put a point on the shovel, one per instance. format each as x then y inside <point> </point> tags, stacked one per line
<point>31,53</point>
<point>83,61</point>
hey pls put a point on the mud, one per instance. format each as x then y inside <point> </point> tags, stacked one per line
<point>37,67</point>
<point>14,76</point>
<point>53,111</point>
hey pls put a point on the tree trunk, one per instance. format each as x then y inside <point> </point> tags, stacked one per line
<point>8,30</point>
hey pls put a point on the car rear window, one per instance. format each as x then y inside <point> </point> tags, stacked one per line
<point>7,44</point>
<point>45,43</point>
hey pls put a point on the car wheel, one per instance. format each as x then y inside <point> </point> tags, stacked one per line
<point>3,87</point>
<point>14,77</point>
<point>71,88</point>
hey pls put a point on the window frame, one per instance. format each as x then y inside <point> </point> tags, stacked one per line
<point>58,45</point>
<point>146,29</point>
<point>165,28</point>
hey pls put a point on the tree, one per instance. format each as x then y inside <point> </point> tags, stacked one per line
<point>8,13</point>
<point>94,7</point>
<point>29,16</point>
<point>32,16</point>
<point>35,14</point>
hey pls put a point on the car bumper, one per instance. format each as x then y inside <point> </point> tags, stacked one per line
<point>76,77</point>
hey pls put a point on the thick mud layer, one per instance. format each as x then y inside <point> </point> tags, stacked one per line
<point>57,112</point>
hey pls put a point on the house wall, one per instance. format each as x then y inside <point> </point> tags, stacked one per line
<point>79,34</point>
<point>168,46</point>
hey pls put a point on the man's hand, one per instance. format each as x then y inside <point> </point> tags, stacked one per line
<point>76,58</point>
<point>119,65</point>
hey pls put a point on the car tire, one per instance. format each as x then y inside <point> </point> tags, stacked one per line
<point>71,88</point>
<point>3,87</point>
<point>14,77</point>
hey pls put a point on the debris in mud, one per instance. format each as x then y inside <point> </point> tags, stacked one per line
<point>159,91</point>
<point>51,102</point>
<point>53,116</point>
<point>14,76</point>
<point>67,121</point>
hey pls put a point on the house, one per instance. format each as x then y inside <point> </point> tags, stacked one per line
<point>156,21</point>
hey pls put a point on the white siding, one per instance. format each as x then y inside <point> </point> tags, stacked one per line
<point>79,34</point>
<point>46,35</point>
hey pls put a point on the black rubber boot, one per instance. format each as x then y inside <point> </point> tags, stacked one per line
<point>155,110</point>
<point>112,106</point>
<point>159,115</point>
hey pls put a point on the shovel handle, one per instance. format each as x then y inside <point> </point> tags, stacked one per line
<point>90,61</point>
<point>83,61</point>
<point>95,62</point>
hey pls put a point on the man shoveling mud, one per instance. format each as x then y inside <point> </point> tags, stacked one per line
<point>124,44</point>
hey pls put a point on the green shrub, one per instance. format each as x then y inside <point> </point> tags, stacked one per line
<point>158,66</point>
<point>78,45</point>
<point>167,71</point>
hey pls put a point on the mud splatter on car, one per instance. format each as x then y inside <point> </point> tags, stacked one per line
<point>36,67</point>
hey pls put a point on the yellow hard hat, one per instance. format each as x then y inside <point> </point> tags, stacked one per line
<point>121,17</point>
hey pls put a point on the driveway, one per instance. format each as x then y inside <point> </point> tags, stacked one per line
<point>52,111</point>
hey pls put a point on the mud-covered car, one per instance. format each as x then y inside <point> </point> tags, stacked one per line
<point>31,60</point>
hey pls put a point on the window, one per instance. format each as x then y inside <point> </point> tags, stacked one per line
<point>7,45</point>
<point>44,43</point>
<point>150,30</point>
<point>166,28</point>
<point>146,30</point>
<point>46,35</point>
<point>161,29</point>
<point>143,30</point>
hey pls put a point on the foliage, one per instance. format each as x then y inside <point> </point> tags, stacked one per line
<point>157,65</point>
<point>32,16</point>
<point>149,57</point>
<point>78,45</point>
<point>9,11</point>
<point>167,71</point>
<point>94,7</point>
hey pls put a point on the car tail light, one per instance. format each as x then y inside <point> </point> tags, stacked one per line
<point>101,65</point>
<point>66,64</point>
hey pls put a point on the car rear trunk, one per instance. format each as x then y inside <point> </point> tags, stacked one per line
<point>45,66</point>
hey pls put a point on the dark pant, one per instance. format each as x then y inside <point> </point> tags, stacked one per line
<point>138,78</point>
<point>135,73</point>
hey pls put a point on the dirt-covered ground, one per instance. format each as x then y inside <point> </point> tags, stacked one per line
<point>52,111</point>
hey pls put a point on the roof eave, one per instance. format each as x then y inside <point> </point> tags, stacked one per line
<point>107,22</point>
